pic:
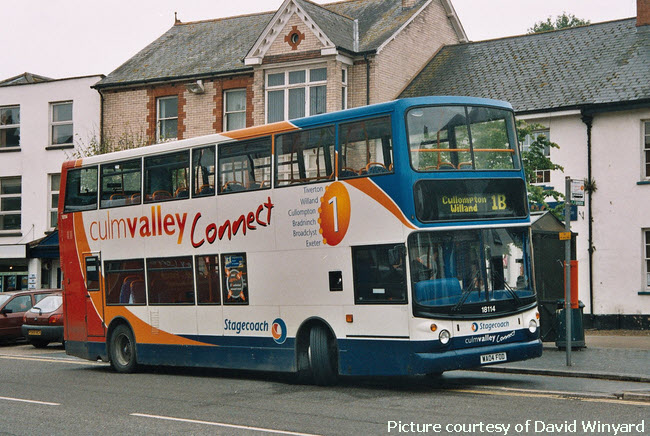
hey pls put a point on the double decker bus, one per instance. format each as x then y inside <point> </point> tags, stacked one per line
<point>392,239</point>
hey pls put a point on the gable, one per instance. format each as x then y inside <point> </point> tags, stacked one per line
<point>297,26</point>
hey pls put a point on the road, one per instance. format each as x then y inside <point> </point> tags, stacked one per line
<point>47,392</point>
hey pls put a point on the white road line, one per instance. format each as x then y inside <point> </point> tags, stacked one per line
<point>44,403</point>
<point>51,359</point>
<point>220,424</point>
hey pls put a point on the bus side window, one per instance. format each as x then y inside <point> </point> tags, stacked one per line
<point>379,274</point>
<point>121,278</point>
<point>170,280</point>
<point>245,165</point>
<point>166,177</point>
<point>208,287</point>
<point>365,148</point>
<point>305,156</point>
<point>81,190</point>
<point>120,183</point>
<point>235,278</point>
<point>203,171</point>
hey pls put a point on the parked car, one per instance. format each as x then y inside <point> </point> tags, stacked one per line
<point>13,306</point>
<point>43,323</point>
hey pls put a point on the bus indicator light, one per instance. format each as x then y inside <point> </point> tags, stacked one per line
<point>349,318</point>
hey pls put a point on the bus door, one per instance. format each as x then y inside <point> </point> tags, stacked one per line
<point>94,298</point>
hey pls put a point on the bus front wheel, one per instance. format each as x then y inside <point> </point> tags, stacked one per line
<point>322,356</point>
<point>122,350</point>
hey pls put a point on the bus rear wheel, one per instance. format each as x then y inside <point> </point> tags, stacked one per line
<point>122,350</point>
<point>322,357</point>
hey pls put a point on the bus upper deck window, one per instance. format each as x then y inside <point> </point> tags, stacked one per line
<point>166,177</point>
<point>444,138</point>
<point>244,165</point>
<point>365,148</point>
<point>305,156</point>
<point>81,190</point>
<point>120,183</point>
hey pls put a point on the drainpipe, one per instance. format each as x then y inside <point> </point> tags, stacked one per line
<point>588,120</point>
<point>365,58</point>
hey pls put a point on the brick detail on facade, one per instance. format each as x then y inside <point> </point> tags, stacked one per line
<point>398,62</point>
<point>166,91</point>
<point>232,83</point>
<point>642,12</point>
<point>310,42</point>
<point>125,118</point>
<point>292,57</point>
<point>199,110</point>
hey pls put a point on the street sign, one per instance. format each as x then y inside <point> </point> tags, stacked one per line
<point>578,192</point>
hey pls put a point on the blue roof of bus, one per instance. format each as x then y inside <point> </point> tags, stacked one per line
<point>395,105</point>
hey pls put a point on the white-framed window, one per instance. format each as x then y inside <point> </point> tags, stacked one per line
<point>344,88</point>
<point>10,203</point>
<point>541,176</point>
<point>9,126</point>
<point>646,253</point>
<point>61,131</point>
<point>55,181</point>
<point>646,148</point>
<point>167,118</point>
<point>234,109</point>
<point>296,93</point>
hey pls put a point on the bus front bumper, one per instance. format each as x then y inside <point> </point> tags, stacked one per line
<point>467,358</point>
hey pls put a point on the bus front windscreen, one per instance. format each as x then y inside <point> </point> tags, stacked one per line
<point>471,272</point>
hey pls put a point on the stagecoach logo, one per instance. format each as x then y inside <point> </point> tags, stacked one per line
<point>489,326</point>
<point>279,331</point>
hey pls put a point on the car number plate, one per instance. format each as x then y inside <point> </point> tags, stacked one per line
<point>38,333</point>
<point>495,357</point>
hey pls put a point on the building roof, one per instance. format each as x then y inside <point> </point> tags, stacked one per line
<point>206,48</point>
<point>595,64</point>
<point>24,79</point>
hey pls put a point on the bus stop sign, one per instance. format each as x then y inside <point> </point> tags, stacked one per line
<point>578,192</point>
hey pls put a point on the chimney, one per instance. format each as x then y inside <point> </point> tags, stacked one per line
<point>406,4</point>
<point>642,12</point>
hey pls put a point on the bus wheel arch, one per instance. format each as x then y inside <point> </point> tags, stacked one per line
<point>317,357</point>
<point>120,341</point>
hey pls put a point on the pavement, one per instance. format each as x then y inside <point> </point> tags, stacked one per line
<point>619,355</point>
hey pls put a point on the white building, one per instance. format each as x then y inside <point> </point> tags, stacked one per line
<point>589,89</point>
<point>41,122</point>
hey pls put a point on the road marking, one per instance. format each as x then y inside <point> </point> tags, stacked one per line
<point>44,403</point>
<point>221,424</point>
<point>50,359</point>
<point>557,396</point>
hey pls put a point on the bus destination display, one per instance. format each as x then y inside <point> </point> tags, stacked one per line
<point>440,200</point>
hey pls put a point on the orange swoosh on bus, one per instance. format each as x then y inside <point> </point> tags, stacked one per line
<point>144,333</point>
<point>369,187</point>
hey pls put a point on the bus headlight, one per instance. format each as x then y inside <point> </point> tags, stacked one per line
<point>444,337</point>
<point>532,326</point>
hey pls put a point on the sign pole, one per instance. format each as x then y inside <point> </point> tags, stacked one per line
<point>567,269</point>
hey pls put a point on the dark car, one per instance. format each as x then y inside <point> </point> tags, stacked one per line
<point>13,306</point>
<point>43,323</point>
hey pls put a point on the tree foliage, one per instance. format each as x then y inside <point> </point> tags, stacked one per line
<point>109,143</point>
<point>535,160</point>
<point>563,21</point>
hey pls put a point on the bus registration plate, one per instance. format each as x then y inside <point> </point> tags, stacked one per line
<point>495,357</point>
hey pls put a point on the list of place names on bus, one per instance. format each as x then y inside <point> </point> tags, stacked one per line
<point>304,216</point>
